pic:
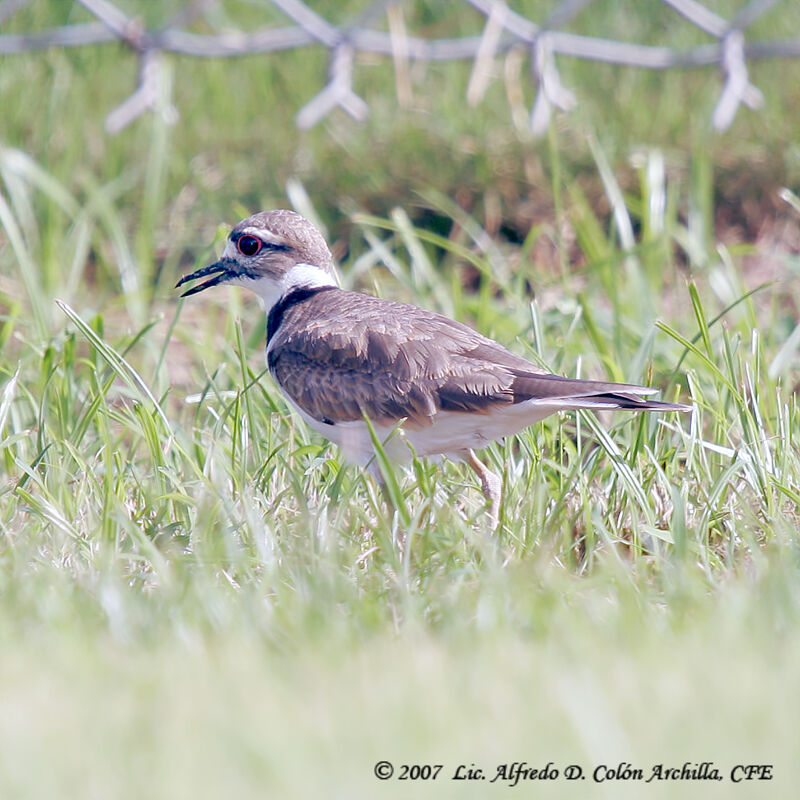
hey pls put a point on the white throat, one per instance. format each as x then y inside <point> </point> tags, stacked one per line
<point>299,276</point>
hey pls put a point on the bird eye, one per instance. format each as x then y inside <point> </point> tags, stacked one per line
<point>249,245</point>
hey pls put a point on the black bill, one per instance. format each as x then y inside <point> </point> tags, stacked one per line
<point>221,270</point>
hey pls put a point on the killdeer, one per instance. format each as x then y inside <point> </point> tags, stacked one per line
<point>429,385</point>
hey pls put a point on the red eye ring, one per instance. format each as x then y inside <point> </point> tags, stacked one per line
<point>249,245</point>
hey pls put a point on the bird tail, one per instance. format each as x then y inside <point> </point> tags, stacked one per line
<point>553,390</point>
<point>610,400</point>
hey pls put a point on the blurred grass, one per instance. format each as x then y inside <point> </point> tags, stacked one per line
<point>230,715</point>
<point>197,597</point>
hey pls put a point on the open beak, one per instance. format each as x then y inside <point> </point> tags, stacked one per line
<point>222,270</point>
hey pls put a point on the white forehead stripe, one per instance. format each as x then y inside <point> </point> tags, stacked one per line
<point>266,236</point>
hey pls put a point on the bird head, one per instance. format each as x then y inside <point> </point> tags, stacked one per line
<point>269,253</point>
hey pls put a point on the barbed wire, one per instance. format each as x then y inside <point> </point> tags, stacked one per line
<point>503,30</point>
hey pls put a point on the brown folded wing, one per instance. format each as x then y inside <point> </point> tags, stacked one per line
<point>340,355</point>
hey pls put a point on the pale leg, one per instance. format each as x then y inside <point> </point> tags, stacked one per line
<point>491,485</point>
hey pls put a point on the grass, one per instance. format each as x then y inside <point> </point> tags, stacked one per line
<point>197,597</point>
<point>204,591</point>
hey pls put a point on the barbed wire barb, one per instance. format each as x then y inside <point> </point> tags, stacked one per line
<point>737,88</point>
<point>482,67</point>
<point>551,90</point>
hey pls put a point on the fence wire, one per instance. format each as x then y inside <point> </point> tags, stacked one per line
<point>503,30</point>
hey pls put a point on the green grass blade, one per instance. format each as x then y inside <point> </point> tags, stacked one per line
<point>121,368</point>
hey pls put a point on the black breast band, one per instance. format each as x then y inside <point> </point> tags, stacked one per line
<point>275,316</point>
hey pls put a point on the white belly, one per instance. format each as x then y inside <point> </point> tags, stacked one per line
<point>452,433</point>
